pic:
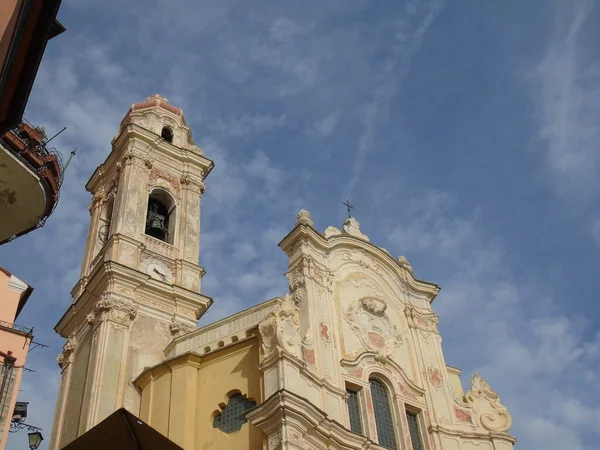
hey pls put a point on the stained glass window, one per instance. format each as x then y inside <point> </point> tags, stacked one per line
<point>383,415</point>
<point>413,427</point>
<point>233,415</point>
<point>354,411</point>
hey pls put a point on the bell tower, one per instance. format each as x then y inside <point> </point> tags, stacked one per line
<point>140,279</point>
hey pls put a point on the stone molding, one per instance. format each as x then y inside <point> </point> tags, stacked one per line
<point>368,363</point>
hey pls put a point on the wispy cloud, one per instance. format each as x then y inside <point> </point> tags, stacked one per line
<point>565,86</point>
<point>407,37</point>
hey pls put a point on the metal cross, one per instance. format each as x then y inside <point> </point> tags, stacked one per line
<point>349,206</point>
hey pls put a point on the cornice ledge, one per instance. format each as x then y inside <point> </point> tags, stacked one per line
<point>16,285</point>
<point>294,408</point>
<point>133,130</point>
<point>149,373</point>
<point>305,230</point>
<point>472,434</point>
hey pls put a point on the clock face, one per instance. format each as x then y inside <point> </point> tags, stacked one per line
<point>158,270</point>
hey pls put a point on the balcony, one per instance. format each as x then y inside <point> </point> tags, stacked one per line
<point>14,327</point>
<point>30,179</point>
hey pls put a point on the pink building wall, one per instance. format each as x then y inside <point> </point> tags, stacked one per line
<point>14,343</point>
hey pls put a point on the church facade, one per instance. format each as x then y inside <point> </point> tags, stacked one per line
<point>349,358</point>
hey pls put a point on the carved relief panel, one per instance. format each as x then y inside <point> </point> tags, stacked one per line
<point>376,332</point>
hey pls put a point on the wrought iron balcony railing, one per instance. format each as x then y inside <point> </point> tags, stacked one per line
<point>14,326</point>
<point>29,144</point>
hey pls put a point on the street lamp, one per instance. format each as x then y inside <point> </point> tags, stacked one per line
<point>35,439</point>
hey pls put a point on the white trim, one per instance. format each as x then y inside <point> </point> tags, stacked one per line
<point>16,285</point>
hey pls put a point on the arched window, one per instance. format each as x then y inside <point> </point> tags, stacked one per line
<point>167,134</point>
<point>160,217</point>
<point>383,414</point>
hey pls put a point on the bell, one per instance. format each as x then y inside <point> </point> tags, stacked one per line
<point>155,223</point>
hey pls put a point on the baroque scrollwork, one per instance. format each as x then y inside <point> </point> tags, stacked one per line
<point>352,227</point>
<point>280,330</point>
<point>485,402</point>
<point>376,332</point>
<point>331,231</point>
<point>66,356</point>
<point>307,267</point>
<point>405,264</point>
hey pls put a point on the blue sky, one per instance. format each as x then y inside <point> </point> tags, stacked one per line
<point>465,133</point>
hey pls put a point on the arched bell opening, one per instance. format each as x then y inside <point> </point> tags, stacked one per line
<point>167,134</point>
<point>160,216</point>
<point>105,220</point>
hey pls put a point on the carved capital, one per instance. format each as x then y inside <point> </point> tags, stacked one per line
<point>110,308</point>
<point>275,441</point>
<point>195,184</point>
<point>98,199</point>
<point>420,321</point>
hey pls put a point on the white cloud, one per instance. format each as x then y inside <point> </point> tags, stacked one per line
<point>507,327</point>
<point>325,126</point>
<point>565,87</point>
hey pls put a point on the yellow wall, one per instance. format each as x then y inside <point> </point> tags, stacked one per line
<point>181,396</point>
